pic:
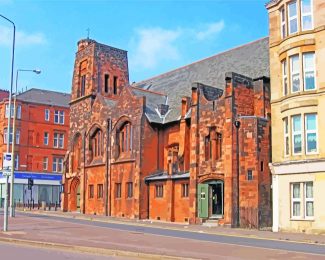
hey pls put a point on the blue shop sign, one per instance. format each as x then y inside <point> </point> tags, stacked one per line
<point>37,176</point>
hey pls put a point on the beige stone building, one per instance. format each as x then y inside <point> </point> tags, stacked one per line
<point>297,69</point>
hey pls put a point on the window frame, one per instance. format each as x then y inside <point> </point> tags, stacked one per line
<point>302,15</point>
<point>295,72</point>
<point>250,176</point>
<point>47,138</point>
<point>58,163</point>
<point>286,136</point>
<point>129,188</point>
<point>185,190</point>
<point>283,21</point>
<point>159,191</point>
<point>293,200</point>
<point>16,162</point>
<point>311,132</point>
<point>285,81</point>
<point>47,115</point>
<point>293,133</point>
<point>118,190</point>
<point>100,191</point>
<point>91,191</point>
<point>308,200</point>
<point>45,162</point>
<point>291,18</point>
<point>304,70</point>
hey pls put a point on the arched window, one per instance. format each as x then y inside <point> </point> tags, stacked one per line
<point>96,144</point>
<point>124,138</point>
<point>76,153</point>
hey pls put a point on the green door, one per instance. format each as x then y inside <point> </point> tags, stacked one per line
<point>203,200</point>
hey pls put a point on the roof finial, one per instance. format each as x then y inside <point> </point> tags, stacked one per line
<point>88,32</point>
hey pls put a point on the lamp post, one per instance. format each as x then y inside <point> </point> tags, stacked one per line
<point>12,177</point>
<point>237,125</point>
<point>5,217</point>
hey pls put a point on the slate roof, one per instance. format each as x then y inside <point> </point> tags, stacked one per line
<point>46,97</point>
<point>251,60</point>
<point>152,100</point>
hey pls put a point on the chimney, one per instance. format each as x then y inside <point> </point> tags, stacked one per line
<point>185,105</point>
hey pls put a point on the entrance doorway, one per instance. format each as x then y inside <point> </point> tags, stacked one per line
<point>211,199</point>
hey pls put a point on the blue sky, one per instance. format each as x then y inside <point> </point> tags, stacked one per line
<point>158,35</point>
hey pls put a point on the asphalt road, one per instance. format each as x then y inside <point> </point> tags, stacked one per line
<point>95,237</point>
<point>222,239</point>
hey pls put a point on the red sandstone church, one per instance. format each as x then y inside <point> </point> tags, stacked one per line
<point>190,145</point>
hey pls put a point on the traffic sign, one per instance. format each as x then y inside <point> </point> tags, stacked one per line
<point>6,173</point>
<point>7,161</point>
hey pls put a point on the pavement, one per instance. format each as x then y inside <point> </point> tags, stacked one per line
<point>155,240</point>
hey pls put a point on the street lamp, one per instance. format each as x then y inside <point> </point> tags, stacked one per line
<point>12,177</point>
<point>5,217</point>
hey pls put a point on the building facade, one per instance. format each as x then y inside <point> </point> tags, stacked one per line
<point>190,145</point>
<point>297,68</point>
<point>42,130</point>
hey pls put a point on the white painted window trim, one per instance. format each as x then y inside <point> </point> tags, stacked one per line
<point>295,200</point>
<point>305,71</point>
<point>291,18</point>
<point>308,200</point>
<point>311,132</point>
<point>283,22</point>
<point>47,114</point>
<point>46,163</point>
<point>297,133</point>
<point>295,72</point>
<point>61,138</point>
<point>307,14</point>
<point>286,135</point>
<point>56,139</point>
<point>285,77</point>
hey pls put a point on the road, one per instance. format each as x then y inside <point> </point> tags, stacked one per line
<point>151,240</point>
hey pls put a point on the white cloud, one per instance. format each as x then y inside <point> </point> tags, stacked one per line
<point>22,38</point>
<point>154,45</point>
<point>210,30</point>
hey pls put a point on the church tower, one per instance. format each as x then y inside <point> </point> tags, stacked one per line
<point>99,69</point>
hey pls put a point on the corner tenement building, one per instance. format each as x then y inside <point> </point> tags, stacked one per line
<point>42,129</point>
<point>168,148</point>
<point>297,65</point>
